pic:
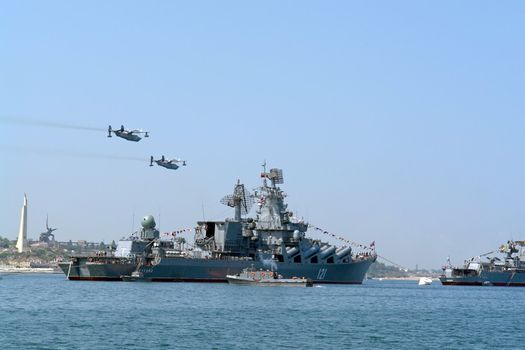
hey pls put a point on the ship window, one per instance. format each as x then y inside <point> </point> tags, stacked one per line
<point>297,259</point>
<point>330,260</point>
<point>313,260</point>
<point>210,229</point>
<point>280,258</point>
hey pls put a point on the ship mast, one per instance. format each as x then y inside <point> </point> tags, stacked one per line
<point>263,174</point>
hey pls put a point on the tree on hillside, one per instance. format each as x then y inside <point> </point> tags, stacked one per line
<point>381,270</point>
<point>4,242</point>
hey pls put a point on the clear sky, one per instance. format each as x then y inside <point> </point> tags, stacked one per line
<point>395,122</point>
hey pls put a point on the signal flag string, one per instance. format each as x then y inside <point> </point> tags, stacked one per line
<point>372,245</point>
<point>176,232</point>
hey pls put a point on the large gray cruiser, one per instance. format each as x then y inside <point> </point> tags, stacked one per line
<point>274,240</point>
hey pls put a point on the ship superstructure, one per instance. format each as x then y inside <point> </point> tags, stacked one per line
<point>273,239</point>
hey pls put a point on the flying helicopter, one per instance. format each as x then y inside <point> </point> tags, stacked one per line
<point>172,164</point>
<point>129,135</point>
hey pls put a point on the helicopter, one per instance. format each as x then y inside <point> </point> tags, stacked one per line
<point>127,134</point>
<point>168,164</point>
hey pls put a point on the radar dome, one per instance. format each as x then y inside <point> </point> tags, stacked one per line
<point>148,222</point>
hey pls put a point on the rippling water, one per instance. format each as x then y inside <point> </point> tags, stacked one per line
<point>49,312</point>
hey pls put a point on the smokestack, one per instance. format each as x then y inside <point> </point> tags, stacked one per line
<point>21,244</point>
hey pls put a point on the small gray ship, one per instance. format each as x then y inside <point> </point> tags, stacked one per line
<point>274,239</point>
<point>250,276</point>
<point>488,269</point>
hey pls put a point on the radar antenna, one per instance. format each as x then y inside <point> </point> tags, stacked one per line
<point>241,199</point>
<point>275,176</point>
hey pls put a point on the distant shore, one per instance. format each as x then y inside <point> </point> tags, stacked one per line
<point>409,278</point>
<point>29,270</point>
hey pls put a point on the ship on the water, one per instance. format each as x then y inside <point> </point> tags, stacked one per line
<point>250,276</point>
<point>273,239</point>
<point>489,269</point>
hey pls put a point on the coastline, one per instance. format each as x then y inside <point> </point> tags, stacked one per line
<point>409,278</point>
<point>29,270</point>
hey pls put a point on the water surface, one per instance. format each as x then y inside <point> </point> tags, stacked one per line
<point>49,312</point>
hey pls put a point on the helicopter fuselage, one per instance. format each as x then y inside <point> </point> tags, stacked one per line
<point>168,165</point>
<point>127,135</point>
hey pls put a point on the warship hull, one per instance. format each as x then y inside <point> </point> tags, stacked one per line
<point>487,278</point>
<point>212,270</point>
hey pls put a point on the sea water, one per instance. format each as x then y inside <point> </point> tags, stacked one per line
<point>49,312</point>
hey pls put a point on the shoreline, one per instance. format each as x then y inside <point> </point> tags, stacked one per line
<point>410,278</point>
<point>47,270</point>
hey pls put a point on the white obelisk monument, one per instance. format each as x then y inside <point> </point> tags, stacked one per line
<point>21,244</point>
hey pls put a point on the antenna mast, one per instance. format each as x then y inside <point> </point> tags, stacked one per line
<point>241,199</point>
<point>263,175</point>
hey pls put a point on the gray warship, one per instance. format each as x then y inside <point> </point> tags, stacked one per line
<point>489,269</point>
<point>274,239</point>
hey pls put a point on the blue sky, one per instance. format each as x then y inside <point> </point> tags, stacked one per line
<point>399,122</point>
